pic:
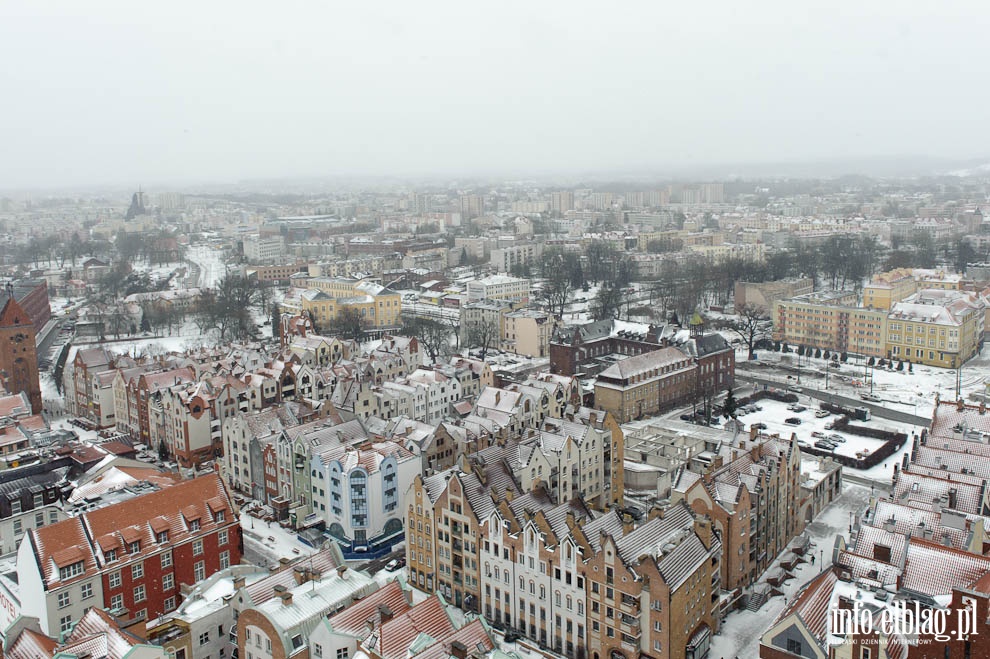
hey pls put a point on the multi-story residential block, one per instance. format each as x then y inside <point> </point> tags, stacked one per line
<point>507,259</point>
<point>386,626</point>
<point>130,557</point>
<point>826,320</point>
<point>935,327</point>
<point>499,287</point>
<point>764,294</point>
<point>887,288</point>
<point>528,332</point>
<point>484,322</point>
<point>561,202</point>
<point>533,567</point>
<point>97,634</point>
<point>204,624</point>
<point>443,532</point>
<point>249,466</point>
<point>281,626</point>
<point>78,382</point>
<point>188,419</point>
<point>356,492</point>
<point>646,384</point>
<point>264,249</point>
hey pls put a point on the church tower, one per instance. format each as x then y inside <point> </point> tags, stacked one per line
<point>18,353</point>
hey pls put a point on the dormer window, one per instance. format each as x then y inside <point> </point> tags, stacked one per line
<point>134,547</point>
<point>194,525</point>
<point>162,537</point>
<point>220,516</point>
<point>111,555</point>
<point>69,571</point>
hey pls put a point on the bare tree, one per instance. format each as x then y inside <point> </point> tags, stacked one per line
<point>753,324</point>
<point>433,335</point>
<point>484,335</point>
<point>348,324</point>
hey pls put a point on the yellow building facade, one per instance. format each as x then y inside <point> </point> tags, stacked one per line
<point>326,297</point>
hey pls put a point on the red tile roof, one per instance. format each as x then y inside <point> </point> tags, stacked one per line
<point>129,520</point>
<point>934,569</point>
<point>428,617</point>
<point>353,620</point>
<point>470,635</point>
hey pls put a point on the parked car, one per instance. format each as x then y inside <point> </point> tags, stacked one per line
<point>823,444</point>
<point>687,417</point>
<point>759,426</point>
<point>835,437</point>
<point>829,425</point>
<point>821,414</point>
<point>818,434</point>
<point>792,421</point>
<point>395,564</point>
<point>873,398</point>
<point>800,408</point>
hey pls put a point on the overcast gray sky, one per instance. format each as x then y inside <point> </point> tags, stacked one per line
<point>120,93</point>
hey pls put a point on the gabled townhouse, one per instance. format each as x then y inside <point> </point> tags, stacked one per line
<point>246,436</point>
<point>750,492</point>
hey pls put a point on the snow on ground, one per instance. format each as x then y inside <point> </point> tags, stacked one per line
<point>267,542</point>
<point>740,633</point>
<point>774,413</point>
<point>906,391</point>
<point>210,263</point>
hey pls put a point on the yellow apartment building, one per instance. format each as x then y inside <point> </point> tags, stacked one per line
<point>936,328</point>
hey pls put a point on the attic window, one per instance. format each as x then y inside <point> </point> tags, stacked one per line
<point>881,553</point>
<point>110,556</point>
<point>162,537</point>
<point>194,525</point>
<point>134,547</point>
<point>219,516</point>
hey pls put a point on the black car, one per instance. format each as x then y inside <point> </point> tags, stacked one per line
<point>760,426</point>
<point>792,421</point>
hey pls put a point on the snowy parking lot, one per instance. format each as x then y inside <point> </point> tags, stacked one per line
<point>775,414</point>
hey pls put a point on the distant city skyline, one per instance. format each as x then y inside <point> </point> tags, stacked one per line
<point>97,94</point>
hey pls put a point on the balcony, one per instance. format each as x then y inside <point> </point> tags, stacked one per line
<point>631,602</point>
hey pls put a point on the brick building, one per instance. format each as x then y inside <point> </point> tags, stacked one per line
<point>32,296</point>
<point>750,492</point>
<point>18,353</point>
<point>646,384</point>
<point>130,557</point>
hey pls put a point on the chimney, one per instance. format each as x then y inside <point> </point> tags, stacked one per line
<point>341,570</point>
<point>953,497</point>
<point>385,613</point>
<point>458,650</point>
<point>283,594</point>
<point>627,523</point>
<point>703,528</point>
<point>571,520</point>
<point>238,583</point>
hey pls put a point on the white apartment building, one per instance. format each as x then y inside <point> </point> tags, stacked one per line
<point>357,491</point>
<point>498,287</point>
<point>268,249</point>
